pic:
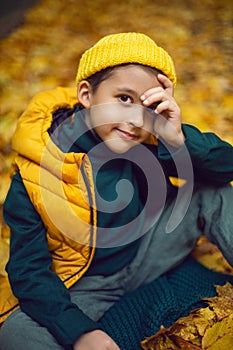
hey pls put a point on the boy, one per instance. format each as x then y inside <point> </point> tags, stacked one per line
<point>91,199</point>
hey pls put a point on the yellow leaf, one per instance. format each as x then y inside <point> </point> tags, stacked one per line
<point>220,336</point>
<point>225,291</point>
<point>210,256</point>
<point>222,305</point>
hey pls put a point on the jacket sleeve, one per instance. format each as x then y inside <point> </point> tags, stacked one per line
<point>41,293</point>
<point>211,158</point>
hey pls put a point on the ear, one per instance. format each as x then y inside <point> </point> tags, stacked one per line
<point>84,93</point>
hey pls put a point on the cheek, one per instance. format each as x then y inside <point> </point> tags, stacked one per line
<point>103,131</point>
<point>148,127</point>
<point>108,113</point>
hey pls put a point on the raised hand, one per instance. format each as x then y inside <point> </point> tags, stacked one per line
<point>167,124</point>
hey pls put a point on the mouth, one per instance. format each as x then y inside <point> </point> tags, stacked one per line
<point>126,135</point>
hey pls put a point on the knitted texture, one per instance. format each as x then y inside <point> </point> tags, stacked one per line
<point>116,49</point>
<point>141,313</point>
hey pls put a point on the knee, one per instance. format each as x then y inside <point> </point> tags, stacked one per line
<point>11,332</point>
<point>217,196</point>
<point>20,332</point>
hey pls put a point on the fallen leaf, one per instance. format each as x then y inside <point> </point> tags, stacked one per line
<point>220,336</point>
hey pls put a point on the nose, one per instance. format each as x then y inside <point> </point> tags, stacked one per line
<point>137,116</point>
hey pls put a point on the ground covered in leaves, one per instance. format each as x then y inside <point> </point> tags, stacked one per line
<point>43,52</point>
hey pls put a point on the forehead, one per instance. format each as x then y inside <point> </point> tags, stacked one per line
<point>133,74</point>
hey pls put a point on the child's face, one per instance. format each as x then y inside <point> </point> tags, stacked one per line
<point>116,111</point>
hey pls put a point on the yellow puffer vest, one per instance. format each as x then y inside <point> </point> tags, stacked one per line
<point>61,189</point>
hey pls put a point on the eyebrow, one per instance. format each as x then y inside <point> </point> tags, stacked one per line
<point>128,90</point>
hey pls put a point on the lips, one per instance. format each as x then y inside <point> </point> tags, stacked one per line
<point>126,135</point>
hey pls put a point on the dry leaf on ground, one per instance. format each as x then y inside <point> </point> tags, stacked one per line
<point>220,336</point>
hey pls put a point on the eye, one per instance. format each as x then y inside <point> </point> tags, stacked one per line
<point>125,99</point>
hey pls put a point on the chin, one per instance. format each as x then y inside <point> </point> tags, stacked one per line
<point>119,146</point>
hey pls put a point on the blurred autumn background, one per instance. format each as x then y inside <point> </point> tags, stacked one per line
<point>41,43</point>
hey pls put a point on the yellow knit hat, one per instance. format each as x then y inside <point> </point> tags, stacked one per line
<point>116,49</point>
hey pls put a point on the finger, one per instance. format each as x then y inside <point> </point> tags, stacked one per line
<point>163,106</point>
<point>166,106</point>
<point>154,96</point>
<point>167,83</point>
<point>150,92</point>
